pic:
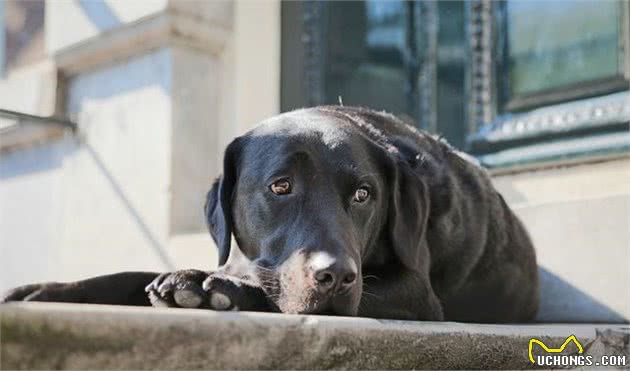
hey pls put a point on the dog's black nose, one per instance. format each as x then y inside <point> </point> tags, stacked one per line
<point>337,277</point>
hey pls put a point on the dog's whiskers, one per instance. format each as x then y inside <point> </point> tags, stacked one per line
<point>264,269</point>
<point>372,294</point>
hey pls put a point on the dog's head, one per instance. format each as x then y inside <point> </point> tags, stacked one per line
<point>312,197</point>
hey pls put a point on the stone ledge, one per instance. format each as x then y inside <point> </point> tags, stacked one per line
<point>71,336</point>
<point>164,29</point>
<point>19,130</point>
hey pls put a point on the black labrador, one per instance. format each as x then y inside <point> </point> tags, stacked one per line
<point>346,211</point>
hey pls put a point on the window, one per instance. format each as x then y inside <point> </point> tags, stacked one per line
<point>363,53</point>
<point>546,72</point>
<point>379,54</point>
<point>488,75</point>
<point>570,50</point>
<point>365,59</point>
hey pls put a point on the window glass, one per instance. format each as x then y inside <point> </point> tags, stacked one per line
<point>365,43</point>
<point>451,71</point>
<point>557,43</point>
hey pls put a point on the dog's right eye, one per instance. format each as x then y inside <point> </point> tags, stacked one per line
<point>281,187</point>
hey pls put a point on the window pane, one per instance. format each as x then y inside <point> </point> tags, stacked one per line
<point>365,44</point>
<point>451,71</point>
<point>556,43</point>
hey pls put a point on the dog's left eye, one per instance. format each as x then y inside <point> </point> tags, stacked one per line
<point>281,187</point>
<point>361,195</point>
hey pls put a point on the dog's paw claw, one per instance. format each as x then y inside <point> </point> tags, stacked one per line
<point>155,284</point>
<point>178,289</point>
<point>157,301</point>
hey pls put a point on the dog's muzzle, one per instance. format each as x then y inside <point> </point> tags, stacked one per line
<point>318,283</point>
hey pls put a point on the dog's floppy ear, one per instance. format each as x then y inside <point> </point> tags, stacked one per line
<point>218,207</point>
<point>408,217</point>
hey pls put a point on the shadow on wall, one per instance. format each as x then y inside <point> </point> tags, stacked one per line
<point>562,302</point>
<point>35,160</point>
<point>158,247</point>
<point>99,14</point>
<point>149,71</point>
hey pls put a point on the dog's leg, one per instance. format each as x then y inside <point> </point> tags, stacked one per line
<point>399,294</point>
<point>125,288</point>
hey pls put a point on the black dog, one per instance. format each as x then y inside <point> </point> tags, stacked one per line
<point>348,211</point>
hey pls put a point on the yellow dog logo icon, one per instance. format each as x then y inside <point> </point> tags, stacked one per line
<point>571,338</point>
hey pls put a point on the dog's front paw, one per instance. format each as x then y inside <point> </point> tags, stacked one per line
<point>197,289</point>
<point>179,289</point>
<point>227,292</point>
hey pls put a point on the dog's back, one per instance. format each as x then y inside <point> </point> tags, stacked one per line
<point>483,264</point>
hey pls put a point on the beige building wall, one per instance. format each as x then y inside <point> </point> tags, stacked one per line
<point>579,219</point>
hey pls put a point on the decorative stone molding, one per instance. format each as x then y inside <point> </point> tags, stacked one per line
<point>568,152</point>
<point>481,92</point>
<point>30,107</point>
<point>18,130</point>
<point>167,28</point>
<point>587,113</point>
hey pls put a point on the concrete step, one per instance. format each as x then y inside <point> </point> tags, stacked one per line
<point>77,336</point>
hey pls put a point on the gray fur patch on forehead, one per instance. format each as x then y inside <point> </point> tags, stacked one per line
<point>304,123</point>
<point>332,124</point>
<point>359,121</point>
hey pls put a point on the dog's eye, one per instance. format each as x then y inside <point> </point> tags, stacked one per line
<point>361,195</point>
<point>281,187</point>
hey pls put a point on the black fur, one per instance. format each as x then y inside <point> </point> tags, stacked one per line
<point>435,241</point>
